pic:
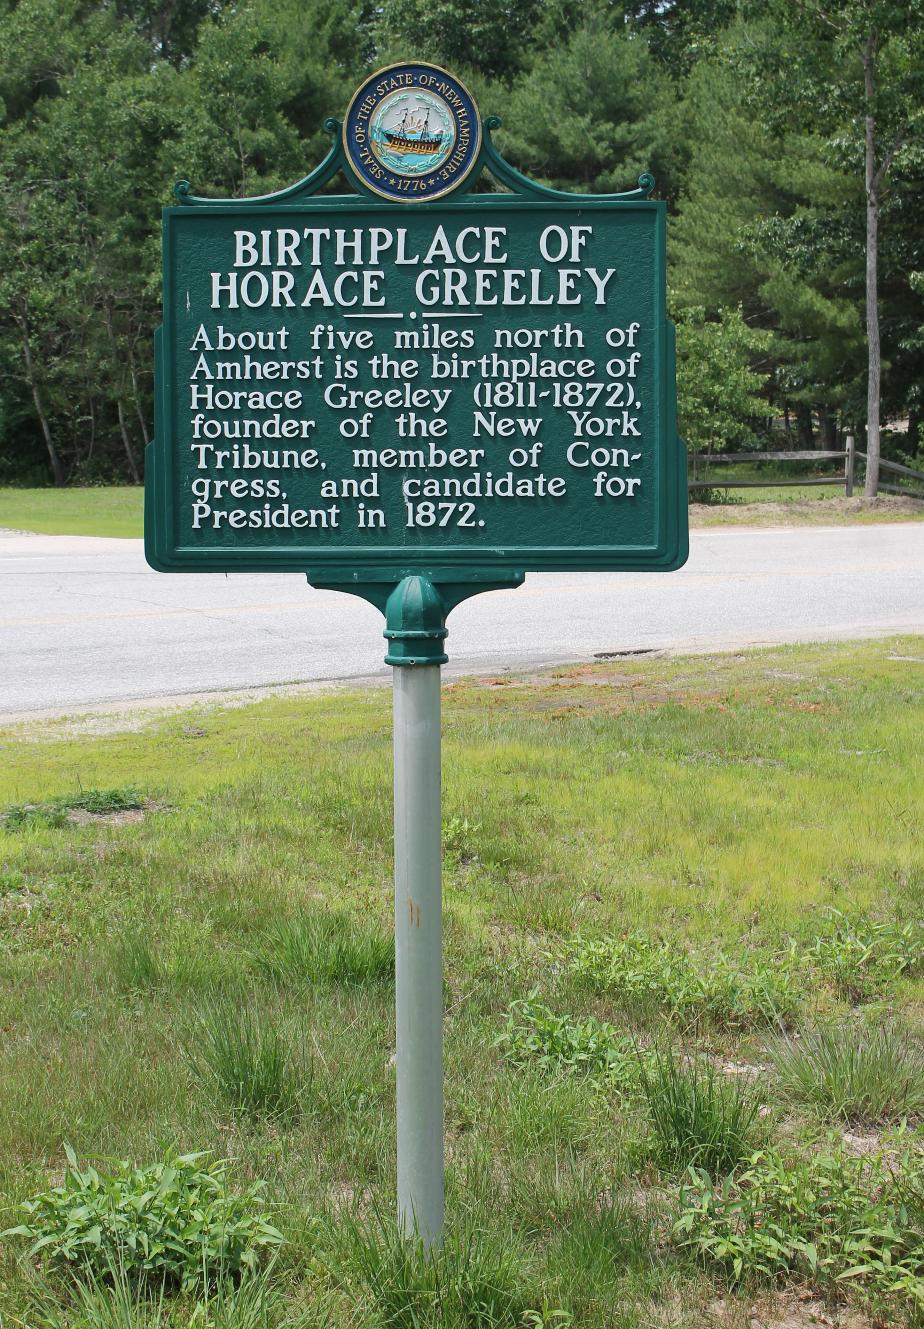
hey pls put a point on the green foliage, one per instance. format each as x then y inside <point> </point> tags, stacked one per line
<point>496,40</point>
<point>830,1220</point>
<point>176,1222</point>
<point>553,130</point>
<point>473,1281</point>
<point>317,948</point>
<point>56,811</point>
<point>253,1065</point>
<point>534,1036</point>
<point>718,391</point>
<point>461,840</point>
<point>751,118</point>
<point>860,956</point>
<point>699,1117</point>
<point>119,1302</point>
<point>649,976</point>
<point>857,1073</point>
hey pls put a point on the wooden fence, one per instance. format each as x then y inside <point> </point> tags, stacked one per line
<point>850,456</point>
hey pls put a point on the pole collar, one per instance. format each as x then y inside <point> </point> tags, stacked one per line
<point>415,624</point>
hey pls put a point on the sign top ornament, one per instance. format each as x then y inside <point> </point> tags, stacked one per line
<point>412,132</point>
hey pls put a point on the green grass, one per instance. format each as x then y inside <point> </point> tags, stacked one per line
<point>114,510</point>
<point>699,1117</point>
<point>318,948</point>
<point>248,1062</point>
<point>861,1075</point>
<point>215,974</point>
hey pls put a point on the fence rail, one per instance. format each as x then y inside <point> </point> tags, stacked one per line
<point>849,456</point>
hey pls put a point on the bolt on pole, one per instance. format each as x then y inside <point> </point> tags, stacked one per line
<point>418,951</point>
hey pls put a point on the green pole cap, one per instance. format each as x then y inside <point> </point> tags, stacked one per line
<point>415,624</point>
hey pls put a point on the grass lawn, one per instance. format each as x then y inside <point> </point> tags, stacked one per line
<point>657,873</point>
<point>114,510</point>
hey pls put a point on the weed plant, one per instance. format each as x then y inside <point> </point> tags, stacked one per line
<point>559,779</point>
<point>857,1073</point>
<point>251,1063</point>
<point>649,977</point>
<point>534,1036</point>
<point>698,1116</point>
<point>175,1222</point>
<point>832,1221</point>
<point>860,956</point>
<point>318,948</point>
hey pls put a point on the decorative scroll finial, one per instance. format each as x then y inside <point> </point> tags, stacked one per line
<point>488,158</point>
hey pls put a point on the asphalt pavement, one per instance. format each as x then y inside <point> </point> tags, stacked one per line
<point>84,621</point>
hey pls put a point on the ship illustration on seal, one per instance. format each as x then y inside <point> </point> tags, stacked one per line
<point>413,134</point>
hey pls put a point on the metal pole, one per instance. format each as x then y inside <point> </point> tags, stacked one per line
<point>418,951</point>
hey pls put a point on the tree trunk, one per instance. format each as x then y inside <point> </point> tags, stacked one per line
<point>827,430</point>
<point>126,441</point>
<point>874,366</point>
<point>133,369</point>
<point>57,466</point>
<point>804,425</point>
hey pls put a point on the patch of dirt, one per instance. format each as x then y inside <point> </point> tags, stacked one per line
<point>21,901</point>
<point>787,1311</point>
<point>862,1145</point>
<point>807,511</point>
<point>125,817</point>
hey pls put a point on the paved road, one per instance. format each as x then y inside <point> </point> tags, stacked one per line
<point>84,621</point>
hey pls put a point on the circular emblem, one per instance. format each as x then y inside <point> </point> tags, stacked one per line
<point>412,132</point>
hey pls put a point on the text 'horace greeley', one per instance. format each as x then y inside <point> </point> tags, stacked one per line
<point>281,267</point>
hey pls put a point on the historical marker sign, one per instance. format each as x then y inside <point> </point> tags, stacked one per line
<point>415,404</point>
<point>347,382</point>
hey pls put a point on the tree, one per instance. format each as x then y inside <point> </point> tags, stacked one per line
<point>857,70</point>
<point>765,225</point>
<point>602,142</point>
<point>890,40</point>
<point>718,390</point>
<point>495,39</point>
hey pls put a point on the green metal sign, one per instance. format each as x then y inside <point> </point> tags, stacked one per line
<point>415,404</point>
<point>354,387</point>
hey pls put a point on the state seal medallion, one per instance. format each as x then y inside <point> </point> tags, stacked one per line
<point>412,133</point>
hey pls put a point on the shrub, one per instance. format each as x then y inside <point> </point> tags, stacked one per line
<point>829,1219</point>
<point>650,976</point>
<point>857,1073</point>
<point>534,1036</point>
<point>326,948</point>
<point>698,1116</point>
<point>249,1061</point>
<point>175,1221</point>
<point>860,956</point>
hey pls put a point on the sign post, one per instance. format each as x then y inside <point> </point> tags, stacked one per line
<point>416,393</point>
<point>418,950</point>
